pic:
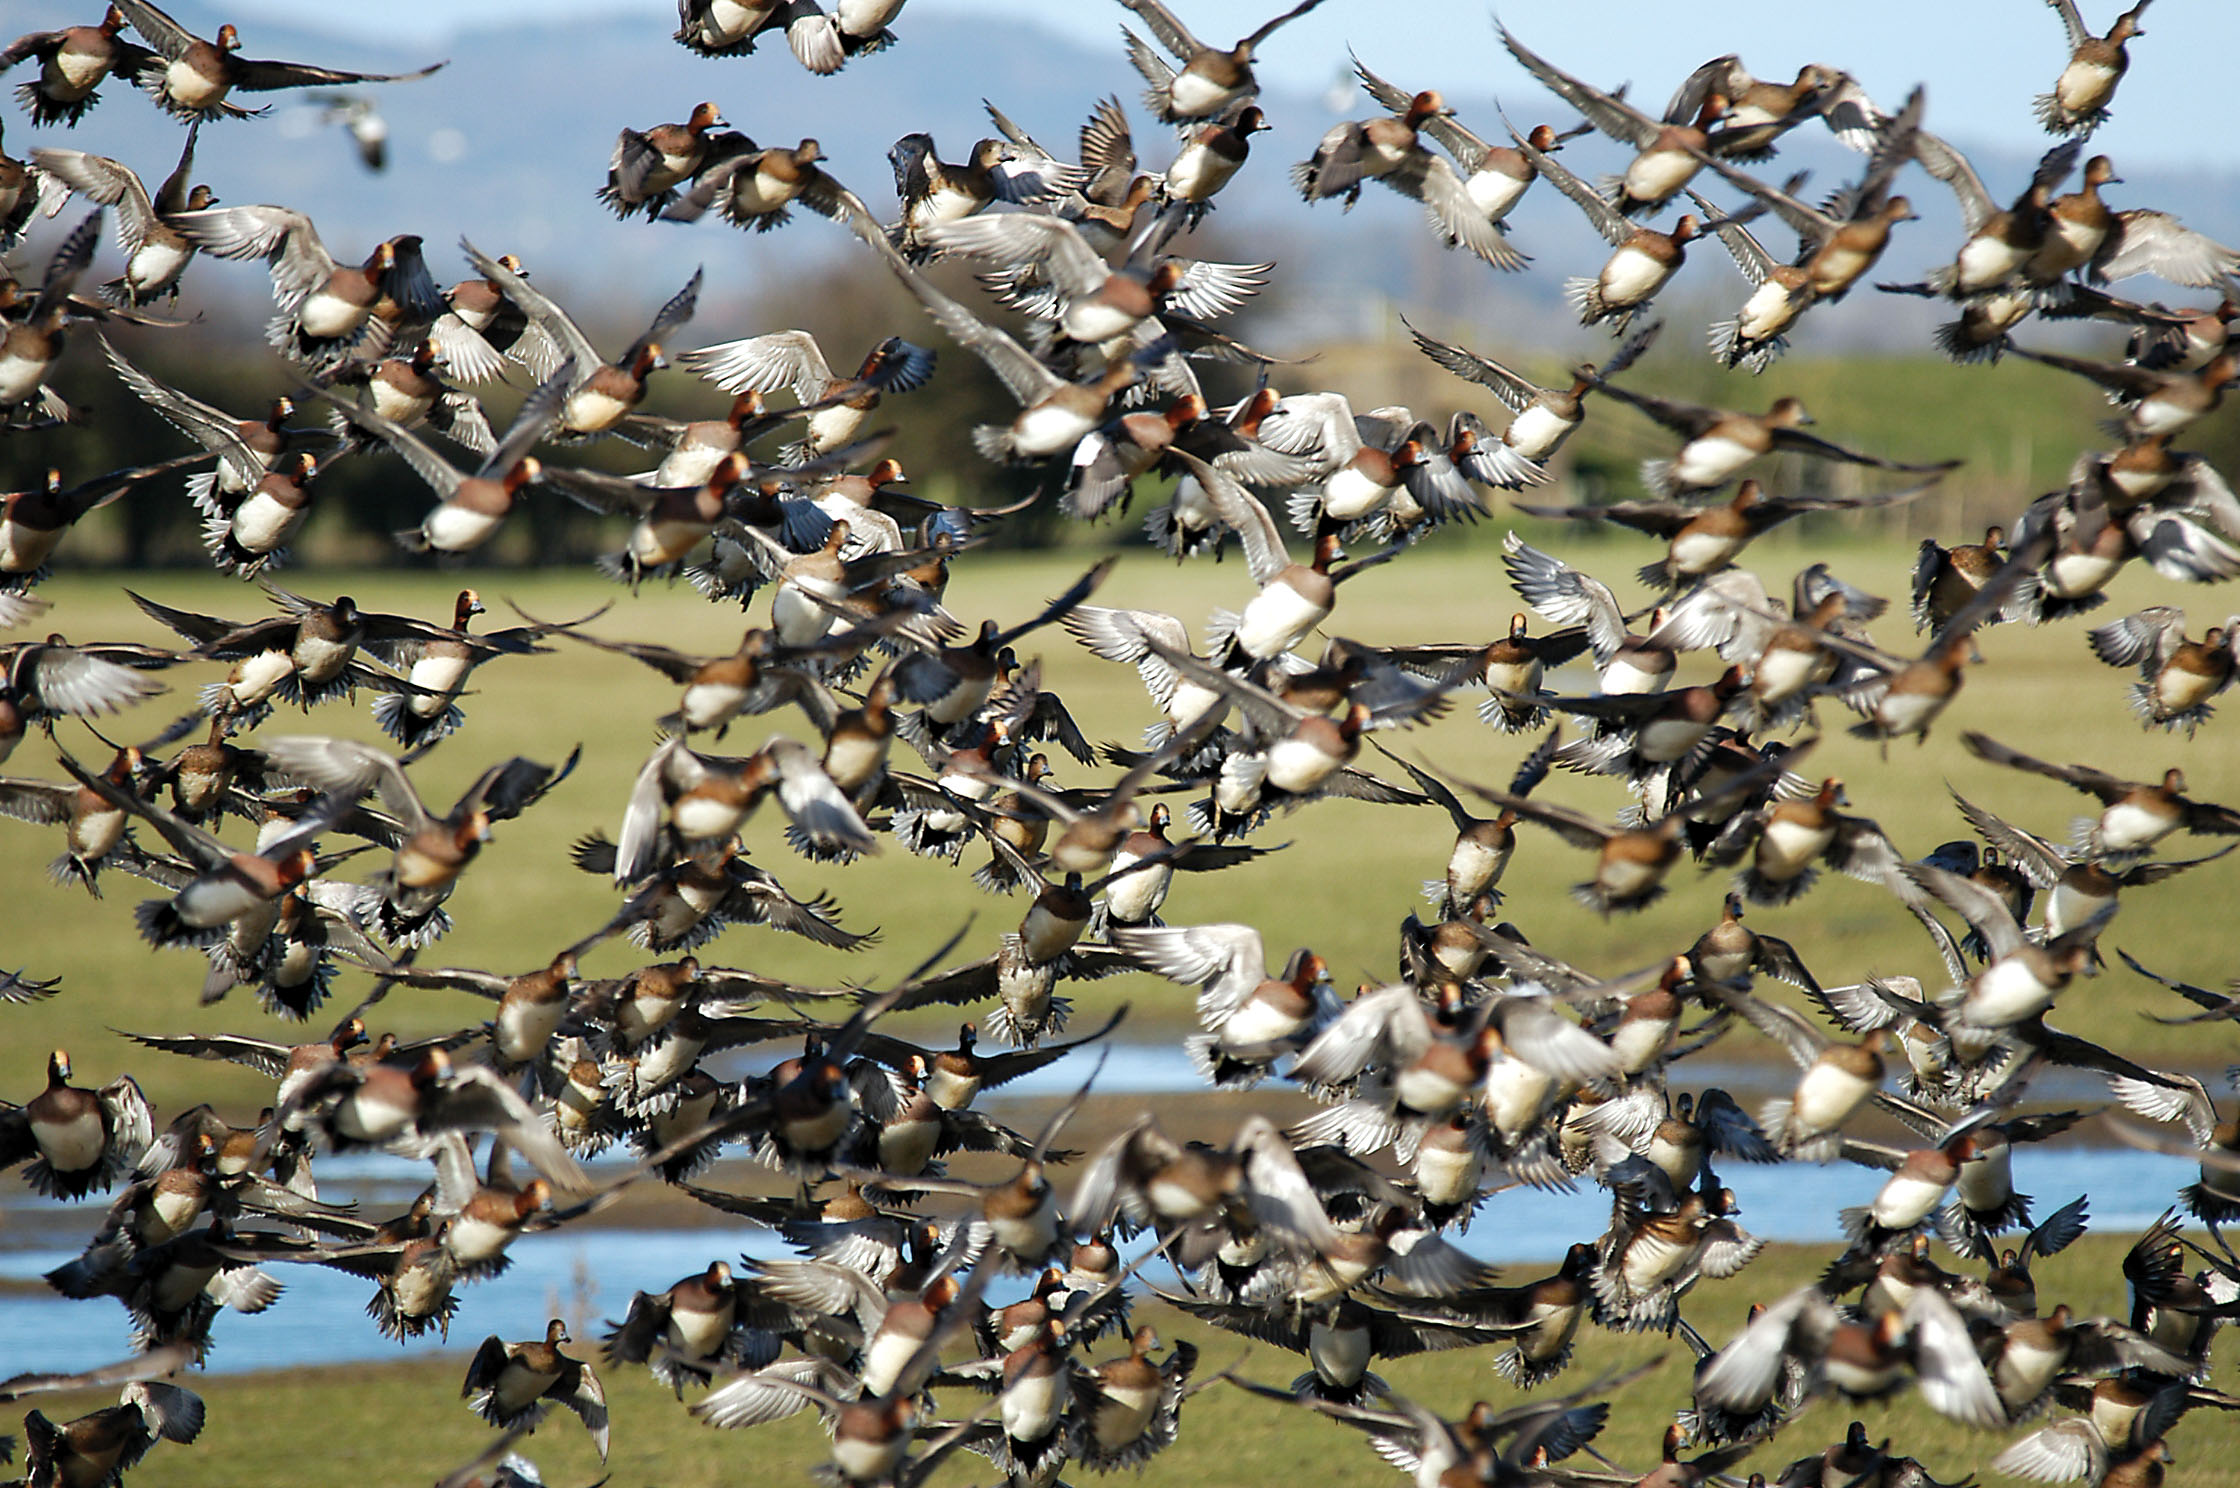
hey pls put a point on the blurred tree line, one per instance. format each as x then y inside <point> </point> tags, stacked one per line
<point>2019,426</point>
<point>847,301</point>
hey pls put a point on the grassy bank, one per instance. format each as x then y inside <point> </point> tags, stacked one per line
<point>338,1424</point>
<point>1348,875</point>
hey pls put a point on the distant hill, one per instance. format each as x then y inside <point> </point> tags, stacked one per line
<point>508,143</point>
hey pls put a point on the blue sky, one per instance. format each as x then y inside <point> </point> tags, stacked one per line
<point>1982,59</point>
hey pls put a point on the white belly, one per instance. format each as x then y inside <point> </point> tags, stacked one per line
<point>852,759</point>
<point>261,524</point>
<point>1825,1098</point>
<point>1640,1042</point>
<point>2005,993</point>
<point>1277,619</point>
<point>1046,936</point>
<point>832,427</point>
<point>1190,702</point>
<point>1624,676</point>
<point>326,317</point>
<point>1426,1092</point>
<point>698,1334</point>
<point>76,70</point>
<point>1298,768</point>
<point>1837,268</point>
<point>1538,432</point>
<point>1905,1201</point>
<point>93,834</point>
<point>321,660</point>
<point>869,1461</point>
<point>1257,1022</point>
<point>656,541</point>
<point>706,704</point>
<point>524,1028</point>
<point>1474,867</point>
<point>2126,828</point>
<point>1446,1175</point>
<point>20,375</point>
<point>455,529</point>
<point>190,88</point>
<point>1767,313</point>
<point>2162,416</point>
<point>2075,575</point>
<point>687,465</point>
<point>796,617</point>
<point>2084,86</point>
<point>727,21</point>
<point>1516,1096</point>
<point>884,1358</point>
<point>1985,261</point>
<point>255,678</point>
<point>401,407</point>
<point>1657,175</point>
<point>1651,1260</point>
<point>473,1239</point>
<point>1091,322</point>
<point>1623,878</point>
<point>156,265</point>
<point>1136,898</point>
<point>1783,672</point>
<point>862,17</point>
<point>2176,690</point>
<point>1048,428</point>
<point>1194,96</point>
<point>1710,460</point>
<point>1788,848</point>
<point>1902,713</point>
<point>589,410</point>
<point>1198,173</point>
<point>762,192</point>
<point>1122,1416</point>
<point>1630,277</point>
<point>1494,193</point>
<point>1349,495</point>
<point>74,1147</point>
<point>22,548</point>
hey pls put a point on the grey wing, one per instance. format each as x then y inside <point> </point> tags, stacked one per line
<point>1564,595</point>
<point>763,364</point>
<point>2157,243</point>
<point>2071,22</point>
<point>1608,113</point>
<point>1951,167</point>
<point>1263,540</point>
<point>69,681</point>
<point>163,33</point>
<point>1453,214</point>
<point>1724,76</point>
<point>1731,1130</point>
<point>103,180</point>
<point>1607,220</point>
<point>2143,639</point>
<point>1161,22</point>
<point>2039,860</point>
<point>539,308</point>
<point>1749,255</point>
<point>1984,911</point>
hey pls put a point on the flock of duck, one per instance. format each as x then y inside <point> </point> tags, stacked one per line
<point>1483,1064</point>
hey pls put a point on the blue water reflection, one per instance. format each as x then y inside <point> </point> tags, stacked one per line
<point>321,1318</point>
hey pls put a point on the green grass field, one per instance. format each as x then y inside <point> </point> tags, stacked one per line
<point>1347,876</point>
<point>340,1424</point>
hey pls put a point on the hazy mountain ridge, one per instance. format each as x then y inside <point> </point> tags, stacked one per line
<point>508,143</point>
